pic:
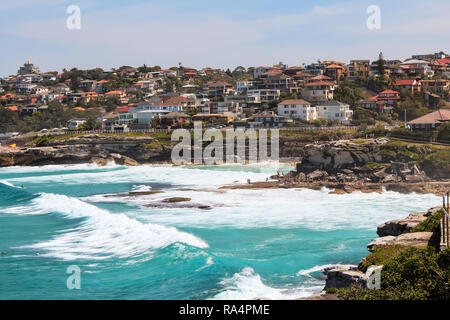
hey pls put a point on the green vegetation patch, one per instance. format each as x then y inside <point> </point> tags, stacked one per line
<point>431,224</point>
<point>373,165</point>
<point>380,256</point>
<point>411,274</point>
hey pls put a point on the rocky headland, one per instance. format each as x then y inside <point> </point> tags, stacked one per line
<point>370,165</point>
<point>94,148</point>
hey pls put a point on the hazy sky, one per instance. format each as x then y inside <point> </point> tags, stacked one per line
<point>213,33</point>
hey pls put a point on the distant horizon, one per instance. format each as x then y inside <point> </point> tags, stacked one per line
<point>200,34</point>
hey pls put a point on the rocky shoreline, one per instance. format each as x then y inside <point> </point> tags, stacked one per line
<point>343,166</point>
<point>391,233</point>
<point>100,149</point>
<point>371,165</point>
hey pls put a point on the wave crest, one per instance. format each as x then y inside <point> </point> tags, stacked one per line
<point>102,234</point>
<point>247,285</point>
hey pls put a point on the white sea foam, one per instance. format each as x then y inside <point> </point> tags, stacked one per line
<point>248,285</point>
<point>273,208</point>
<point>148,174</point>
<point>141,188</point>
<point>6,183</point>
<point>314,269</point>
<point>285,209</point>
<point>101,234</point>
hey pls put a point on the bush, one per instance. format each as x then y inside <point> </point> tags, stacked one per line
<point>431,224</point>
<point>378,131</point>
<point>411,274</point>
<point>332,291</point>
<point>413,134</point>
<point>437,165</point>
<point>380,256</point>
<point>444,132</point>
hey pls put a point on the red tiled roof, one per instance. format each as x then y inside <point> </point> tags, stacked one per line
<point>334,66</point>
<point>297,101</point>
<point>389,92</point>
<point>407,82</point>
<point>79,109</point>
<point>444,60</point>
<point>123,109</point>
<point>439,115</point>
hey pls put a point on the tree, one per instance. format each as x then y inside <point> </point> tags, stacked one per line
<point>381,65</point>
<point>349,93</point>
<point>90,124</point>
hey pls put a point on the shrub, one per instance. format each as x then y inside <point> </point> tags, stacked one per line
<point>431,224</point>
<point>373,165</point>
<point>380,256</point>
<point>332,291</point>
<point>411,274</point>
<point>437,164</point>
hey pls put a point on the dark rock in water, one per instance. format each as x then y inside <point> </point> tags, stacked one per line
<point>177,205</point>
<point>177,199</point>
<point>134,193</point>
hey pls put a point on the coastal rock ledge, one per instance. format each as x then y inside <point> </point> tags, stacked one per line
<point>401,226</point>
<point>343,276</point>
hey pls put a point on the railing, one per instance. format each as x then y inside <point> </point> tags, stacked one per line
<point>444,222</point>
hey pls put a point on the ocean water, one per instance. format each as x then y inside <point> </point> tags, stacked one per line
<point>251,244</point>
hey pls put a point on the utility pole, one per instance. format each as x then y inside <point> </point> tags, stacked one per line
<point>405,118</point>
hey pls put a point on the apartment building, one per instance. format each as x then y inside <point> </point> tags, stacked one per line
<point>297,109</point>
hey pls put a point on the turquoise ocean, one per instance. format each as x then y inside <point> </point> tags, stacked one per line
<point>251,244</point>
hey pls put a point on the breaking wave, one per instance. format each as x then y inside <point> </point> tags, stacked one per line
<point>102,234</point>
<point>247,285</point>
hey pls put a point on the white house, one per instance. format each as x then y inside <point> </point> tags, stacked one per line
<point>297,109</point>
<point>24,87</point>
<point>263,95</point>
<point>243,85</point>
<point>39,90</point>
<point>335,110</point>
